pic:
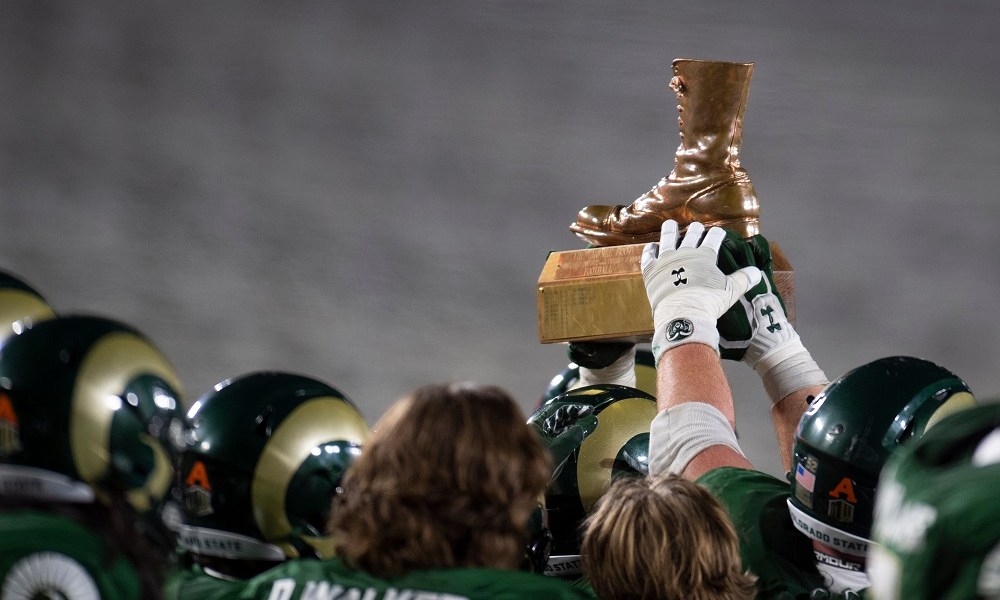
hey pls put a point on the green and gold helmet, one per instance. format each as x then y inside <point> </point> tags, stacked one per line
<point>264,456</point>
<point>848,432</point>
<point>21,306</point>
<point>87,405</point>
<point>937,521</point>
<point>614,444</point>
<point>645,377</point>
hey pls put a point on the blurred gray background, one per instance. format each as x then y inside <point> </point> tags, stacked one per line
<point>365,192</point>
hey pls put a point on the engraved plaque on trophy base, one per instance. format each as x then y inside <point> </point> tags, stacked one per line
<point>598,294</point>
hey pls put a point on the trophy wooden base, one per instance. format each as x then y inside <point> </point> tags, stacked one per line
<point>598,294</point>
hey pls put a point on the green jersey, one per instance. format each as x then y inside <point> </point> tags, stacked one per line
<point>333,580</point>
<point>47,555</point>
<point>770,545</point>
<point>196,584</point>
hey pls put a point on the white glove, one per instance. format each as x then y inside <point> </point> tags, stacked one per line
<point>777,354</point>
<point>687,291</point>
<point>757,330</point>
<point>771,329</point>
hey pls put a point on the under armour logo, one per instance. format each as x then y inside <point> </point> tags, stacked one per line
<point>679,274</point>
<point>766,312</point>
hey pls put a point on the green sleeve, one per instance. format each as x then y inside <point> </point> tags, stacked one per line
<point>183,584</point>
<point>771,547</point>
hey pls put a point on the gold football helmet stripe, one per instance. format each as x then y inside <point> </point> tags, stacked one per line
<point>19,306</point>
<point>617,424</point>
<point>954,403</point>
<point>315,422</point>
<point>111,363</point>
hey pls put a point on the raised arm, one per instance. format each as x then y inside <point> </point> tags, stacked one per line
<point>756,330</point>
<point>694,429</point>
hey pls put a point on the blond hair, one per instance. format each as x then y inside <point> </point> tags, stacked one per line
<point>665,537</point>
<point>448,479</point>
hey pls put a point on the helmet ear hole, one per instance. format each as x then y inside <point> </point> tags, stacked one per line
<point>314,485</point>
<point>144,445</point>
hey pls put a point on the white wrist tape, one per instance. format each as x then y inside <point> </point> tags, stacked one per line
<point>787,369</point>
<point>620,372</point>
<point>680,433</point>
<point>683,330</point>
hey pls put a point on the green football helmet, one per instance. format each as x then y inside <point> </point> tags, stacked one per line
<point>645,377</point>
<point>848,432</point>
<point>21,306</point>
<point>264,455</point>
<point>87,404</point>
<point>617,445</point>
<point>937,521</point>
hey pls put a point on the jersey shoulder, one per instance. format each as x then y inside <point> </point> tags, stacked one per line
<point>306,578</point>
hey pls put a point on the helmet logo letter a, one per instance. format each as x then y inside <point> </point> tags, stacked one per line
<point>10,438</point>
<point>844,487</point>
<point>198,495</point>
<point>842,509</point>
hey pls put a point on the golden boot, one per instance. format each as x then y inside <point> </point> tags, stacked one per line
<point>707,183</point>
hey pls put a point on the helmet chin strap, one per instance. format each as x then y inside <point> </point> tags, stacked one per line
<point>838,540</point>
<point>224,544</point>
<point>30,483</point>
<point>563,565</point>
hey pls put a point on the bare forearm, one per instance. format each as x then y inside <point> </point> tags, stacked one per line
<point>688,374</point>
<point>693,372</point>
<point>786,414</point>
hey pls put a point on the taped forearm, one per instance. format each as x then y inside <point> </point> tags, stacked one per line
<point>681,432</point>
<point>788,369</point>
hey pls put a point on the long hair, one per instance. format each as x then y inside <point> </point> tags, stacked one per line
<point>448,479</point>
<point>665,537</point>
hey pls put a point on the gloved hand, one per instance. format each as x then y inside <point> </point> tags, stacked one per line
<point>741,322</point>
<point>686,289</point>
<point>756,329</point>
<point>562,427</point>
<point>604,362</point>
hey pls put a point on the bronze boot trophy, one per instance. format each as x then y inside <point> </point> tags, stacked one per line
<point>707,183</point>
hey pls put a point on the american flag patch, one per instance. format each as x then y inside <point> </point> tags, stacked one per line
<point>805,478</point>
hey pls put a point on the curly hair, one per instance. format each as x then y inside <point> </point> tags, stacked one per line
<point>448,479</point>
<point>664,537</point>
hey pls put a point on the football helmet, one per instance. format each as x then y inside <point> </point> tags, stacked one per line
<point>263,458</point>
<point>21,306</point>
<point>848,432</point>
<point>87,403</point>
<point>937,525</point>
<point>617,445</point>
<point>645,377</point>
